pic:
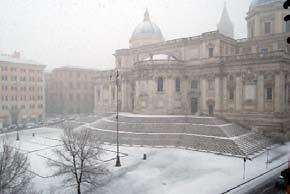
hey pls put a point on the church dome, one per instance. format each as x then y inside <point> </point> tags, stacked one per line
<point>256,3</point>
<point>146,33</point>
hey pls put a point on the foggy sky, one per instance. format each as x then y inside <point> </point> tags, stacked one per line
<point>86,33</point>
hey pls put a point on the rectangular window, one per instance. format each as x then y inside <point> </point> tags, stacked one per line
<point>264,50</point>
<point>177,85</point>
<point>211,85</point>
<point>269,93</point>
<point>267,27</point>
<point>288,26</point>
<point>232,94</point>
<point>210,52</point>
<point>194,84</point>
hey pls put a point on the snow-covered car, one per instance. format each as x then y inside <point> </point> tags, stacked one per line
<point>3,130</point>
<point>31,125</point>
<point>49,122</point>
<point>11,127</point>
<point>21,126</point>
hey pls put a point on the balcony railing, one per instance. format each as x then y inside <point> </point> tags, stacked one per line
<point>267,55</point>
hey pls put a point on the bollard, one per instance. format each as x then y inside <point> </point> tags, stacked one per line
<point>144,156</point>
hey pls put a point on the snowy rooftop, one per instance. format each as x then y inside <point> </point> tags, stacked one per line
<point>15,59</point>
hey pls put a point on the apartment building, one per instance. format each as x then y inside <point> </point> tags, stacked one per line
<point>22,97</point>
<point>70,90</point>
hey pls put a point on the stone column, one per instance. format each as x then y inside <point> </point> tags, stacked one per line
<point>203,94</point>
<point>286,97</point>
<point>279,95</point>
<point>239,93</point>
<point>152,90</point>
<point>170,94</point>
<point>224,94</point>
<point>186,100</point>
<point>260,93</point>
<point>218,92</point>
<point>257,26</point>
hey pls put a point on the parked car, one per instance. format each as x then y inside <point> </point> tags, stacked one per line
<point>21,126</point>
<point>280,183</point>
<point>3,130</point>
<point>12,127</point>
<point>31,125</point>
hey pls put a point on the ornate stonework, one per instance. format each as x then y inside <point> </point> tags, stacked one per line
<point>233,76</point>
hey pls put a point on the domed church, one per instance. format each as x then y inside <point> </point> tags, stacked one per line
<point>242,80</point>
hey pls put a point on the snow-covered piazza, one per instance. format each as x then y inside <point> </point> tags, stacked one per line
<point>167,169</point>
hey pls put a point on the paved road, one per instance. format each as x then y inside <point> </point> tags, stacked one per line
<point>267,187</point>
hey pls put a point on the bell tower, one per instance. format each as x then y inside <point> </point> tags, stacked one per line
<point>265,17</point>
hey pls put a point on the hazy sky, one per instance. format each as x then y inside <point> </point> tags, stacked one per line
<point>86,33</point>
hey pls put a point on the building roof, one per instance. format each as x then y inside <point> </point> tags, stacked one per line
<point>256,3</point>
<point>15,58</point>
<point>225,25</point>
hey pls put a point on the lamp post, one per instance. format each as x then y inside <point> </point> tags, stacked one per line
<point>267,162</point>
<point>244,173</point>
<point>17,135</point>
<point>14,116</point>
<point>118,162</point>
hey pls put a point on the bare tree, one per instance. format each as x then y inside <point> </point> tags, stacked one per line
<point>78,160</point>
<point>14,170</point>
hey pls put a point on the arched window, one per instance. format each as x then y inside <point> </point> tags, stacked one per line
<point>160,84</point>
<point>177,85</point>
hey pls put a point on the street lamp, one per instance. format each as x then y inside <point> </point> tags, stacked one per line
<point>17,135</point>
<point>118,162</point>
<point>14,116</point>
<point>267,162</point>
<point>245,160</point>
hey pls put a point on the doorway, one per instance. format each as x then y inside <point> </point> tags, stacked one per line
<point>194,105</point>
<point>210,109</point>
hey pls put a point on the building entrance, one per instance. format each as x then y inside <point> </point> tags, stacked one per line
<point>194,105</point>
<point>210,110</point>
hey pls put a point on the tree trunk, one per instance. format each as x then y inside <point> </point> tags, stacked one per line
<point>79,188</point>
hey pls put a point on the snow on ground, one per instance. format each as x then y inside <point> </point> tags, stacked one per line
<point>166,170</point>
<point>161,116</point>
<point>173,171</point>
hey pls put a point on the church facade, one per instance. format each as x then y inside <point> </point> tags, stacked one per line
<point>245,80</point>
